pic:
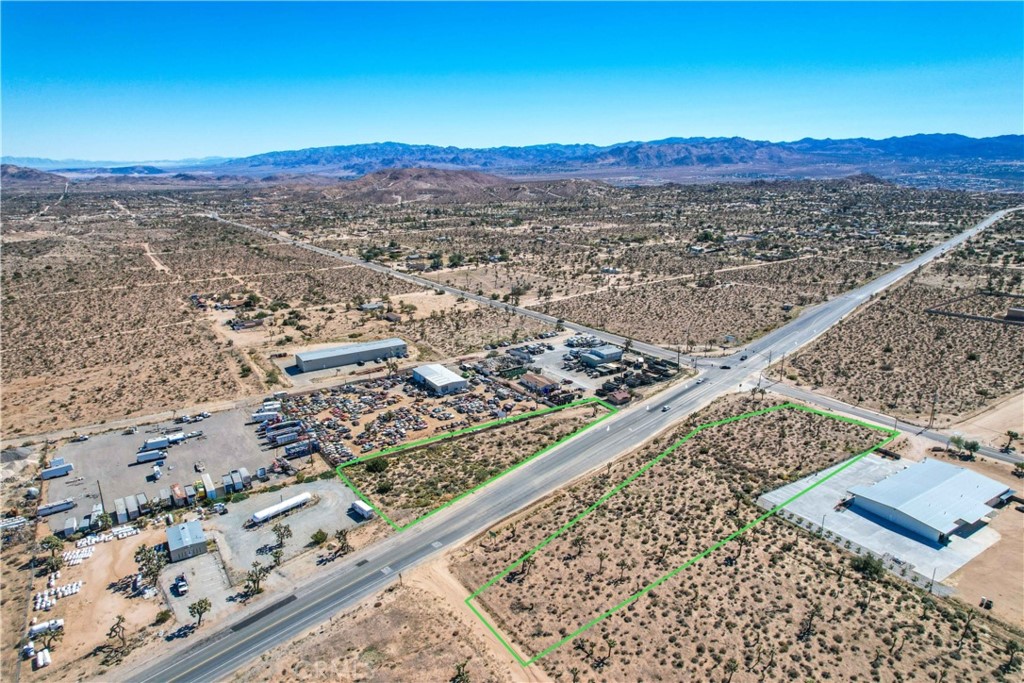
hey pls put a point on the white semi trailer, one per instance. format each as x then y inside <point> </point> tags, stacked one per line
<point>280,508</point>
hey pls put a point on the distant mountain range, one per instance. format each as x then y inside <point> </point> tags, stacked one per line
<point>935,160</point>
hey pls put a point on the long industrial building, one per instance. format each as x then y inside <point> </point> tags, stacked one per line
<point>932,499</point>
<point>308,361</point>
<point>439,379</point>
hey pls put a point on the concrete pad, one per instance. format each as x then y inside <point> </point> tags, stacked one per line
<point>818,508</point>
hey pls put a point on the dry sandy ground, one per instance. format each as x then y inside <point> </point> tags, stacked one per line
<point>418,630</point>
<point>990,426</point>
<point>88,615</point>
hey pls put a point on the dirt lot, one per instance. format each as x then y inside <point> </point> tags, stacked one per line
<point>415,482</point>
<point>403,634</point>
<point>774,604</point>
<point>990,426</point>
<point>87,616</point>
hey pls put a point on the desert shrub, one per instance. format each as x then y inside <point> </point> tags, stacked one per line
<point>868,565</point>
<point>377,465</point>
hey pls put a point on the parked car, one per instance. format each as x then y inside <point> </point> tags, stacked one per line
<point>181,585</point>
<point>80,438</point>
<point>726,367</point>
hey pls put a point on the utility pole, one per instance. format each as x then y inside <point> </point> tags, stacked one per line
<point>931,418</point>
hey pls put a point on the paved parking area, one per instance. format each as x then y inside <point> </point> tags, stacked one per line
<point>869,532</point>
<point>106,462</point>
<point>240,547</point>
<point>206,579</point>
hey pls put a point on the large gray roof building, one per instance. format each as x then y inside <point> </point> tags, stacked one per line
<point>308,361</point>
<point>932,499</point>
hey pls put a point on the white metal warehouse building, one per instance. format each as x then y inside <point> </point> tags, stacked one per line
<point>932,499</point>
<point>439,379</point>
<point>308,361</point>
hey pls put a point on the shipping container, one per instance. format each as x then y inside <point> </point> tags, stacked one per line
<point>282,439</point>
<point>236,482</point>
<point>177,495</point>
<point>362,509</point>
<point>132,505</point>
<point>143,503</point>
<point>120,511</point>
<point>57,471</point>
<point>297,450</point>
<point>54,508</point>
<point>211,490</point>
<point>246,477</point>
<point>165,498</point>
<point>70,527</point>
<point>263,416</point>
<point>190,494</point>
<point>56,462</point>
<point>176,437</point>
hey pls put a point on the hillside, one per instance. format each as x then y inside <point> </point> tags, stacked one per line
<point>19,176</point>
<point>403,185</point>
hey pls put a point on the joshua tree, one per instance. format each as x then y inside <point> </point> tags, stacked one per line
<point>105,521</point>
<point>1018,469</point>
<point>198,608</point>
<point>957,441</point>
<point>1011,436</point>
<point>150,562</point>
<point>50,638</point>
<point>601,557</point>
<point>1012,648</point>
<point>579,543</point>
<point>460,673</point>
<point>117,631</point>
<point>51,543</point>
<point>254,577</point>
<point>276,554</point>
<point>282,532</point>
<point>319,537</point>
<point>730,669</point>
<point>341,536</point>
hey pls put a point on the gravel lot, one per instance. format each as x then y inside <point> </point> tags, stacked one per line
<point>107,462</point>
<point>240,547</point>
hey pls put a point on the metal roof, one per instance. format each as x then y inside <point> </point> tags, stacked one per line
<point>184,535</point>
<point>378,345</point>
<point>438,375</point>
<point>606,350</point>
<point>937,494</point>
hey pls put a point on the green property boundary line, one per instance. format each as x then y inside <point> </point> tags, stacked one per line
<point>657,582</point>
<point>469,430</point>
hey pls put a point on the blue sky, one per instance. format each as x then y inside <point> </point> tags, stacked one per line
<point>143,81</point>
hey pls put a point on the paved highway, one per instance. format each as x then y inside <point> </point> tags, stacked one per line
<point>360,574</point>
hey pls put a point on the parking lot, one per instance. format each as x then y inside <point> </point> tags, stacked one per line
<point>240,546</point>
<point>106,462</point>
<point>206,579</point>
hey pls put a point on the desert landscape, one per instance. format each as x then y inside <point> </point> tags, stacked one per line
<point>774,603</point>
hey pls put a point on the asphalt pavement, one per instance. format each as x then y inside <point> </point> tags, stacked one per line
<point>359,575</point>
